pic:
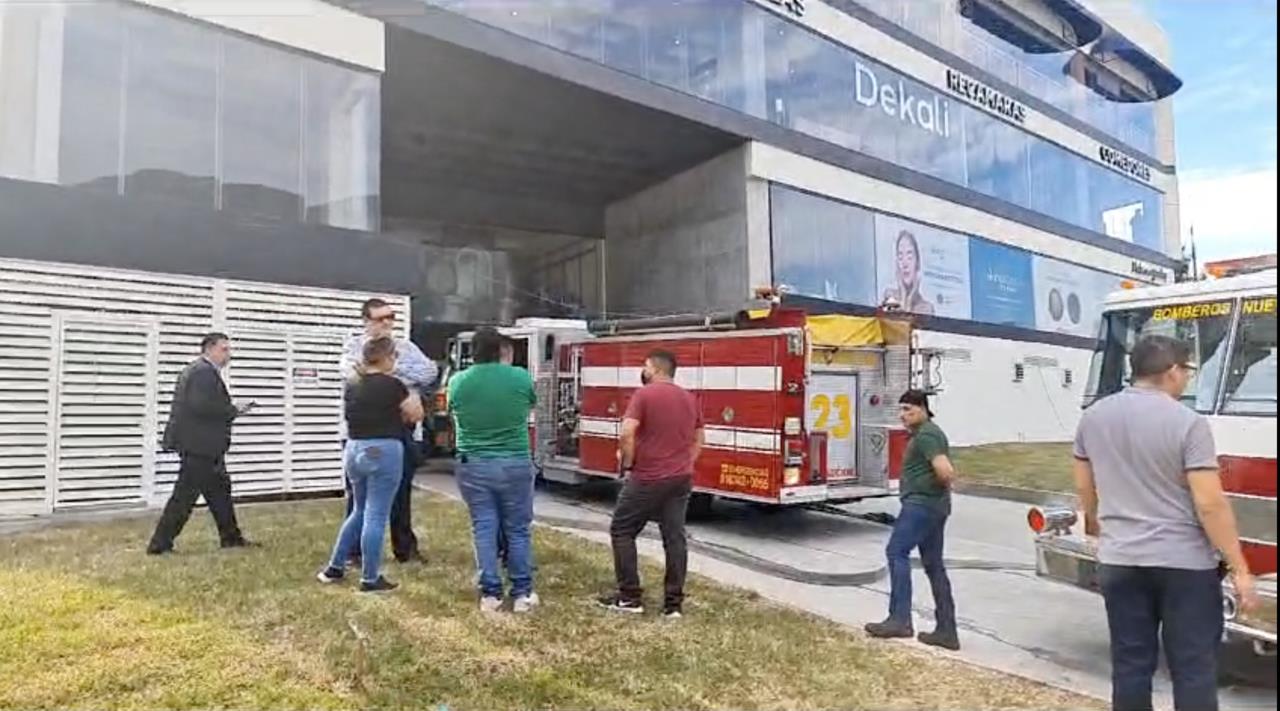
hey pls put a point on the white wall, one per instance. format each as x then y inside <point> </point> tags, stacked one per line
<point>981,404</point>
<point>309,25</point>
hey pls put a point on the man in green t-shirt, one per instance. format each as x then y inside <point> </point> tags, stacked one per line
<point>925,491</point>
<point>490,402</point>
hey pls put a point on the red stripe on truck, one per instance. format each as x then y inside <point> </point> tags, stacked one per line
<point>754,409</point>
<point>1261,557</point>
<point>689,352</point>
<point>1248,475</point>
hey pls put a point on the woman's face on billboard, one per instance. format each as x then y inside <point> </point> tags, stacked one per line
<point>908,259</point>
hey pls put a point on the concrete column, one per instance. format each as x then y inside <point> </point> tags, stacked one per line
<point>684,244</point>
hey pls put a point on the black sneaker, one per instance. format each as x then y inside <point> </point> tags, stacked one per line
<point>672,612</point>
<point>617,603</point>
<point>889,629</point>
<point>330,575</point>
<point>158,550</point>
<point>379,585</point>
<point>941,638</point>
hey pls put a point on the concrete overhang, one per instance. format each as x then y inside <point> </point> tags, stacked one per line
<point>1135,65</point>
<point>1035,26</point>
<point>473,139</point>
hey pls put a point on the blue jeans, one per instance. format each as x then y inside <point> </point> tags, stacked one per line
<point>499,496</point>
<point>1184,607</point>
<point>919,527</point>
<point>374,468</point>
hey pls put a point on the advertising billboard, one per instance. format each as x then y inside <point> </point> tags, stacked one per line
<point>925,270</point>
<point>1068,297</point>
<point>1002,284</point>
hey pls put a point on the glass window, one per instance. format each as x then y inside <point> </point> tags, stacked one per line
<point>715,45</point>
<point>746,57</point>
<point>92,90</point>
<point>823,248</point>
<point>1204,325</point>
<point>575,27</point>
<point>28,92</point>
<point>997,158</point>
<point>1251,379</point>
<point>622,36</point>
<point>666,57</point>
<point>342,124</point>
<point>1059,184</point>
<point>172,89</point>
<point>261,130</point>
<point>810,86</point>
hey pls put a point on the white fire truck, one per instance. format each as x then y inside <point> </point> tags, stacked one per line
<point>798,409</point>
<point>1232,324</point>
<point>537,343</point>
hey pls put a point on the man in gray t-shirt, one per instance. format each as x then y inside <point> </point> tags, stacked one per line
<point>1147,476</point>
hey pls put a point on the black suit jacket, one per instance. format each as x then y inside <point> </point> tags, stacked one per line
<point>202,413</point>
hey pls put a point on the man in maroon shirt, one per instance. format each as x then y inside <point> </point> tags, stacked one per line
<point>660,441</point>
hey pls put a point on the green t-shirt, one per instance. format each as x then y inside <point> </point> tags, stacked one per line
<point>919,485</point>
<point>490,404</point>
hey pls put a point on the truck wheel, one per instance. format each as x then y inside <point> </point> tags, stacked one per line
<point>699,505</point>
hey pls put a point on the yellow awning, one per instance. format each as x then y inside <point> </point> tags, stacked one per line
<point>845,331</point>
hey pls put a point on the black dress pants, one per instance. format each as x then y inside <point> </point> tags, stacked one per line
<point>198,476</point>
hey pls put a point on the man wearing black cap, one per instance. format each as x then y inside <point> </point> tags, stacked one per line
<point>927,474</point>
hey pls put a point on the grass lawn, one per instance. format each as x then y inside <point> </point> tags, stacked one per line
<point>88,621</point>
<point>1026,466</point>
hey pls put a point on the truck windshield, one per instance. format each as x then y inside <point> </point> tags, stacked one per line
<point>1204,324</point>
<point>1251,380</point>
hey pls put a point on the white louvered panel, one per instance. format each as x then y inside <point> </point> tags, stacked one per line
<point>291,441</point>
<point>25,353</point>
<point>315,412</point>
<point>103,420</point>
<point>258,459</point>
<point>300,309</point>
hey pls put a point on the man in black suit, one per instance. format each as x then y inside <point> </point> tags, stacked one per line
<point>199,430</point>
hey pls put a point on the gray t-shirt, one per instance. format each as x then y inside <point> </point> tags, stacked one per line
<point>1141,443</point>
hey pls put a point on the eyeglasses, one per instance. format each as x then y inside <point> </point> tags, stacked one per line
<point>1189,367</point>
<point>389,318</point>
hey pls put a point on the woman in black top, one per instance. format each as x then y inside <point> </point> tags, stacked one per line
<point>377,408</point>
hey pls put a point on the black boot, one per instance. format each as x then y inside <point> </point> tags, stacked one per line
<point>947,639</point>
<point>889,629</point>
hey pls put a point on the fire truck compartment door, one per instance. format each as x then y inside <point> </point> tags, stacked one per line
<point>833,408</point>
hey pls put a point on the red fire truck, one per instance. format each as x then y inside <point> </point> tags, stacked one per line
<point>799,409</point>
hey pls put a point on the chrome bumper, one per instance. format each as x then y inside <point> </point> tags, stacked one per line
<point>1071,560</point>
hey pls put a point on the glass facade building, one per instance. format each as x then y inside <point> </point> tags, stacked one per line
<point>120,99</point>
<point>739,55</point>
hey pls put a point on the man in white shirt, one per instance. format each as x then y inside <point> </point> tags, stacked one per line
<point>419,374</point>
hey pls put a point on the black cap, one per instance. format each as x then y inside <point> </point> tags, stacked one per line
<point>917,398</point>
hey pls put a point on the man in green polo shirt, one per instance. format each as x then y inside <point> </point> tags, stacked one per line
<point>490,402</point>
<point>927,474</point>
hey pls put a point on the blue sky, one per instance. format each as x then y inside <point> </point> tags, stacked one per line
<point>1225,120</point>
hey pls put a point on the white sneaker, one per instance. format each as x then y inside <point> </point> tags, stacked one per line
<point>525,603</point>
<point>490,605</point>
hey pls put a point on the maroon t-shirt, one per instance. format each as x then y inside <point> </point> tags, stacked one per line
<point>669,416</point>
